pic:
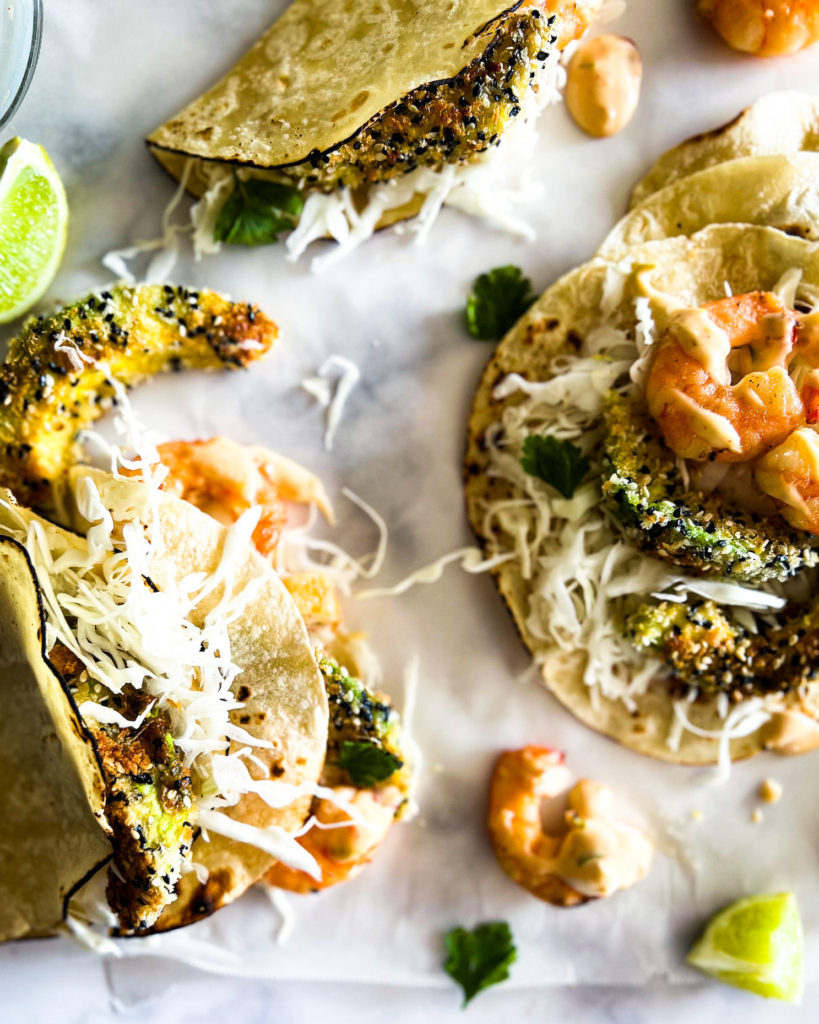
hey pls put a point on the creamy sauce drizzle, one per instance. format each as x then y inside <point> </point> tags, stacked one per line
<point>701,339</point>
<point>603,86</point>
<point>715,430</point>
<point>599,854</point>
<point>790,732</point>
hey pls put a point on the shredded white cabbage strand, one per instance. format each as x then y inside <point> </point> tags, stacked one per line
<point>332,392</point>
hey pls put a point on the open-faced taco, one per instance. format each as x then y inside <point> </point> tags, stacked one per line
<point>642,447</point>
<point>347,117</point>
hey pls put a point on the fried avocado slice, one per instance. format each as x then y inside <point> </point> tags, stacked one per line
<point>445,121</point>
<point>703,648</point>
<point>57,378</point>
<point>148,804</point>
<point>359,716</point>
<point>151,812</point>
<point>452,120</point>
<point>644,491</point>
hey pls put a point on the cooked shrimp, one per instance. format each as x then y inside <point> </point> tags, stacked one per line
<point>765,28</point>
<point>225,479</point>
<point>341,845</point>
<point>591,857</point>
<point>689,390</point>
<point>790,475</point>
<point>804,366</point>
<point>572,18</point>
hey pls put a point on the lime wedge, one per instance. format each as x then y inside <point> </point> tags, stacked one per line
<point>33,225</point>
<point>756,944</point>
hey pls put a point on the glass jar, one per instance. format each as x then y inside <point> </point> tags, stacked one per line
<point>21,29</point>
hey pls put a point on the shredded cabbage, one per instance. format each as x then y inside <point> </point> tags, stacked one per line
<point>333,398</point>
<point>743,720</point>
<point>471,560</point>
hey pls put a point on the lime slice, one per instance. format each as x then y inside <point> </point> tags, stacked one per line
<point>33,225</point>
<point>756,944</point>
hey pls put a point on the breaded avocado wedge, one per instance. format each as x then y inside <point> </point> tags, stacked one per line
<point>57,377</point>
<point>708,534</point>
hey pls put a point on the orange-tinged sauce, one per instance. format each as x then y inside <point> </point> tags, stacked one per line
<point>603,86</point>
<point>791,732</point>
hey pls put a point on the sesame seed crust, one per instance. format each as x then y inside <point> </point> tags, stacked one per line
<point>56,379</point>
<point>644,491</point>
<point>450,121</point>
<point>705,649</point>
<point>148,798</point>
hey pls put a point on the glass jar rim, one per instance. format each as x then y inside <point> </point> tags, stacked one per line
<point>20,88</point>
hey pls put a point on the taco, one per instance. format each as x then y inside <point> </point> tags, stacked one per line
<point>362,116</point>
<point>784,123</point>
<point>779,191</point>
<point>366,779</point>
<point>659,568</point>
<point>144,646</point>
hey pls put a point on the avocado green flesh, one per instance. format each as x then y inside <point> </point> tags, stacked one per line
<point>358,715</point>
<point>152,843</point>
<point>644,491</point>
<point>149,806</point>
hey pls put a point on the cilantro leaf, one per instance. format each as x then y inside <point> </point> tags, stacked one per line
<point>499,298</point>
<point>366,763</point>
<point>481,957</point>
<point>559,463</point>
<point>256,211</point>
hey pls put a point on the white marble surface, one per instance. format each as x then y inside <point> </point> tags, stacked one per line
<point>109,73</point>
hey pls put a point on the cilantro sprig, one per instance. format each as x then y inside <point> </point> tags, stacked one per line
<point>366,763</point>
<point>498,300</point>
<point>559,463</point>
<point>257,211</point>
<point>481,957</point>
